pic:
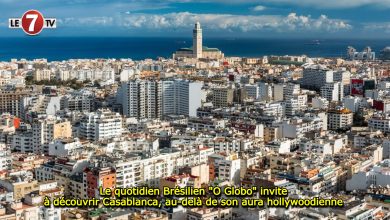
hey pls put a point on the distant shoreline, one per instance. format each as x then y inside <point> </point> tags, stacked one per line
<point>136,48</point>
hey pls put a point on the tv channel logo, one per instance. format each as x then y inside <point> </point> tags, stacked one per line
<point>32,22</point>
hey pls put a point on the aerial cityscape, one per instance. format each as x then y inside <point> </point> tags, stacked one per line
<point>200,134</point>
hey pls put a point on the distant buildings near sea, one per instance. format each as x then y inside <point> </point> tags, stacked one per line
<point>198,51</point>
<point>367,54</point>
<point>385,54</point>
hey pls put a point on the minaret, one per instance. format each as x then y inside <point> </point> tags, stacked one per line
<point>197,41</point>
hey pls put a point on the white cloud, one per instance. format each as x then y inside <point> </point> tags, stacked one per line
<point>377,27</point>
<point>333,3</point>
<point>228,22</point>
<point>311,3</point>
<point>259,8</point>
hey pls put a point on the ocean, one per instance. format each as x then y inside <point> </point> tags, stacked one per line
<point>63,48</point>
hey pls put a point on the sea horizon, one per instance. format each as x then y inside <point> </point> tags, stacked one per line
<point>138,48</point>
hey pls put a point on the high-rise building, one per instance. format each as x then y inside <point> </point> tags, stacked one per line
<point>344,77</point>
<point>46,130</point>
<point>149,99</point>
<point>140,98</point>
<point>196,97</point>
<point>10,101</point>
<point>265,91</point>
<point>315,76</point>
<point>222,96</point>
<point>252,91</point>
<point>366,54</point>
<point>154,99</point>
<point>174,97</point>
<point>128,95</point>
<point>333,91</point>
<point>78,101</point>
<point>101,125</point>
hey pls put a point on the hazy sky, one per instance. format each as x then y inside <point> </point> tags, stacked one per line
<point>219,18</point>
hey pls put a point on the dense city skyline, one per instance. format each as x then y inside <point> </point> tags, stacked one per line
<point>194,110</point>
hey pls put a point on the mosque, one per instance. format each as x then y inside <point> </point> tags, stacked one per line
<point>198,50</point>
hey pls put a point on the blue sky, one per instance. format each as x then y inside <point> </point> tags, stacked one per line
<point>219,18</point>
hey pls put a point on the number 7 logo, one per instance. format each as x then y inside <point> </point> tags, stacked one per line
<point>34,18</point>
<point>32,22</point>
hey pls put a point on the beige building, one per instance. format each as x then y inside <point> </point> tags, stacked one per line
<point>272,133</point>
<point>19,211</point>
<point>20,188</point>
<point>46,130</point>
<point>340,119</point>
<point>222,96</point>
<point>181,181</point>
<point>201,170</point>
<point>44,74</point>
<point>9,101</point>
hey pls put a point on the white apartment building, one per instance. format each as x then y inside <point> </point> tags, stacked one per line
<point>5,160</point>
<point>22,142</point>
<point>295,104</point>
<point>319,103</point>
<point>46,130</point>
<point>133,170</point>
<point>44,74</point>
<point>128,95</point>
<point>78,101</point>
<point>230,145</point>
<point>252,91</point>
<point>85,73</point>
<point>280,146</point>
<point>226,167</point>
<point>297,127</point>
<point>63,147</point>
<point>340,119</point>
<point>154,99</point>
<point>196,97</point>
<point>174,97</point>
<point>333,91</point>
<point>378,175</point>
<point>101,125</point>
<point>380,123</point>
<point>318,147</point>
<point>369,138</point>
<point>201,124</point>
<point>41,105</point>
<point>276,109</point>
<point>355,103</point>
<point>316,76</point>
<point>63,74</point>
<point>290,90</point>
<point>265,91</point>
<point>342,76</point>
